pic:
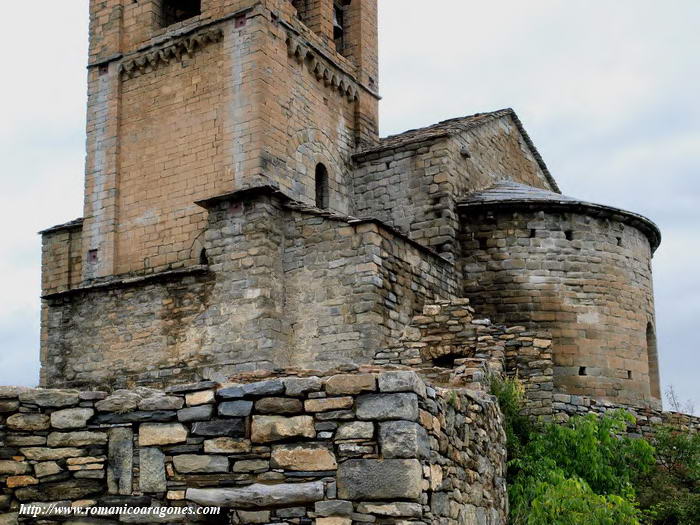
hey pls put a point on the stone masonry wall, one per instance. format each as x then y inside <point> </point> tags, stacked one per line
<point>414,186</point>
<point>585,279</point>
<point>370,447</point>
<point>280,285</point>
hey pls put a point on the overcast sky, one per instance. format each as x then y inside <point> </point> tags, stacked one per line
<point>607,90</point>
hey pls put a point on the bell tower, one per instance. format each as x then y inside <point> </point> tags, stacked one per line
<point>190,99</point>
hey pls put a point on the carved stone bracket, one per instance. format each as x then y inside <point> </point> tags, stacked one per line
<point>173,51</point>
<point>322,69</point>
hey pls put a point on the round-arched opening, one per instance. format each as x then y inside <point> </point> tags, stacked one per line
<point>203,258</point>
<point>653,357</point>
<point>322,191</point>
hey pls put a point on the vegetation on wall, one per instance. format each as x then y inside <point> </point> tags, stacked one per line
<point>587,472</point>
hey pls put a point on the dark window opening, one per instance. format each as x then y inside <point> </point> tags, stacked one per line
<point>446,361</point>
<point>483,243</point>
<point>174,11</point>
<point>92,256</point>
<point>339,27</point>
<point>203,258</point>
<point>582,371</point>
<point>653,358</point>
<point>533,234</point>
<point>619,241</point>
<point>322,193</point>
<point>104,69</point>
<point>629,374</point>
<point>569,235</point>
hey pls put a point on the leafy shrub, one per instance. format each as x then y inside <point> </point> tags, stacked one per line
<point>510,393</point>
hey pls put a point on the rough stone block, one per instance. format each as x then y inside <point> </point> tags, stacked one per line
<point>394,510</point>
<point>121,457</point>
<point>194,464</point>
<point>372,479</point>
<point>151,434</point>
<point>266,429</point>
<point>202,397</point>
<point>50,398</point>
<point>227,445</point>
<point>264,388</point>
<point>328,404</point>
<point>388,406</point>
<point>48,468</point>
<point>223,428</point>
<point>76,439</point>
<point>71,418</point>
<point>28,422</point>
<point>351,384</point>
<point>236,408</point>
<point>161,403</point>
<point>403,439</point>
<point>197,413</point>
<point>13,468</point>
<point>308,457</point>
<point>278,405</point>
<point>120,402</point>
<point>337,507</point>
<point>152,470</point>
<point>297,386</point>
<point>402,381</point>
<point>355,430</point>
<point>51,454</point>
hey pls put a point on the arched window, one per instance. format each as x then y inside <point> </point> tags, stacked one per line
<point>322,196</point>
<point>653,357</point>
<point>174,11</point>
<point>203,257</point>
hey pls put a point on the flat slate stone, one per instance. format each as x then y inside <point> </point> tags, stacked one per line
<point>235,408</point>
<point>388,406</point>
<point>196,464</point>
<point>259,495</point>
<point>297,386</point>
<point>403,439</point>
<point>50,398</point>
<point>192,387</point>
<point>28,422</point>
<point>158,416</point>
<point>71,418</point>
<point>402,381</point>
<point>65,490</point>
<point>76,439</point>
<point>162,403</point>
<point>224,427</point>
<point>264,388</point>
<point>198,413</point>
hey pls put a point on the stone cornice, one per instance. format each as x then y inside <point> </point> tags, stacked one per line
<point>172,51</point>
<point>324,70</point>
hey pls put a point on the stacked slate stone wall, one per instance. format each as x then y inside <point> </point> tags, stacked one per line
<point>447,345</point>
<point>369,447</point>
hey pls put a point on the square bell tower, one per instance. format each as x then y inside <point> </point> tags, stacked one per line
<point>189,99</point>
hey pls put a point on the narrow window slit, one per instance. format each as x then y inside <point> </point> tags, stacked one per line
<point>583,371</point>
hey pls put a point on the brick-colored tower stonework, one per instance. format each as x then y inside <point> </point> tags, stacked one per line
<point>242,214</point>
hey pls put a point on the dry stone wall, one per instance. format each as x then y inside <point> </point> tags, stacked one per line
<point>369,447</point>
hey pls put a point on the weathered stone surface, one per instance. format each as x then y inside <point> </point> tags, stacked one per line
<point>307,457</point>
<point>152,470</point>
<point>48,468</point>
<point>62,490</point>
<point>297,386</point>
<point>20,481</point>
<point>397,509</point>
<point>403,439</point>
<point>372,479</point>
<point>161,403</point>
<point>12,392</point>
<point>191,387</point>
<point>51,454</point>
<point>226,445</point>
<point>264,388</point>
<point>13,468</point>
<point>251,465</point>
<point>355,430</point>
<point>334,520</point>
<point>278,405</point>
<point>25,441</point>
<point>388,406</point>
<point>197,413</point>
<point>7,406</point>
<point>402,381</point>
<point>202,397</point>
<point>329,403</point>
<point>50,398</point>
<point>151,434</point>
<point>28,422</point>
<point>93,396</point>
<point>351,384</point>
<point>121,458</point>
<point>258,495</point>
<point>71,418</point>
<point>9,519</point>
<point>266,429</point>
<point>121,401</point>
<point>223,427</point>
<point>231,392</point>
<point>139,416</point>
<point>76,439</point>
<point>235,408</point>
<point>193,464</point>
<point>337,507</point>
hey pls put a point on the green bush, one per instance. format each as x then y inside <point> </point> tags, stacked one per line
<point>511,398</point>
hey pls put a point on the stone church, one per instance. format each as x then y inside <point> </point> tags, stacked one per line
<point>242,214</point>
